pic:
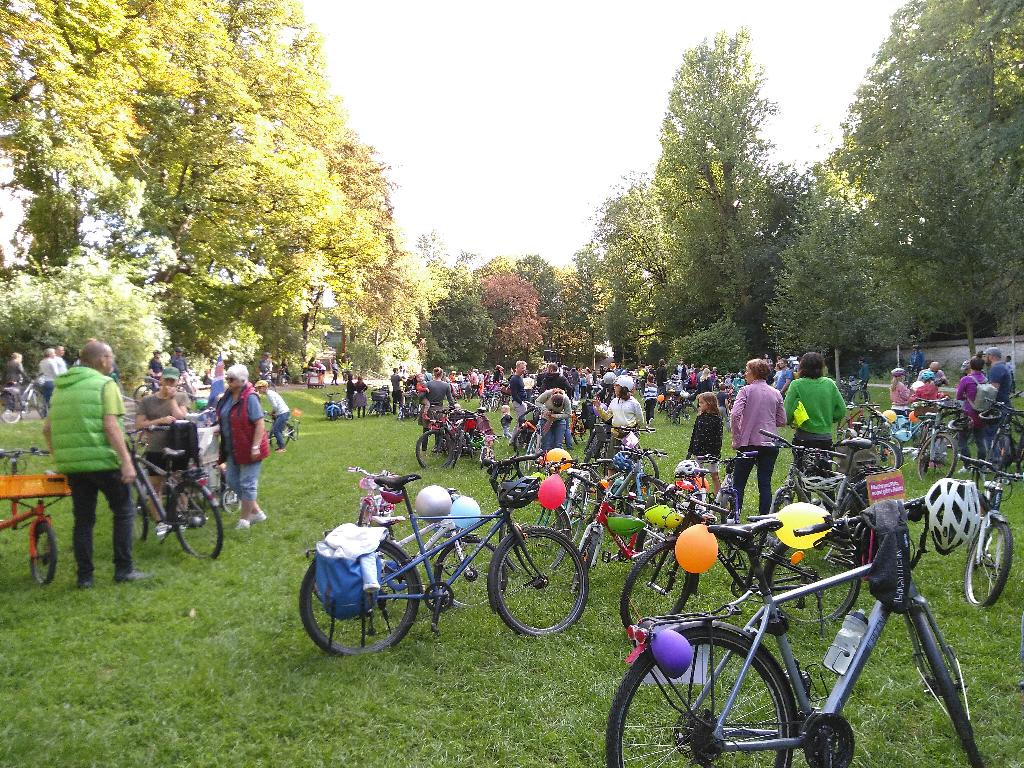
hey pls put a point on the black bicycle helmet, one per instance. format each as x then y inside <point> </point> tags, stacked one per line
<point>516,494</point>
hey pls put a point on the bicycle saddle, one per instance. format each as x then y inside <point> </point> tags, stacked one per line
<point>394,482</point>
<point>746,532</point>
<point>856,442</point>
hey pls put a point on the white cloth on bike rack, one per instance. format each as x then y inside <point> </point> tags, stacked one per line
<point>355,542</point>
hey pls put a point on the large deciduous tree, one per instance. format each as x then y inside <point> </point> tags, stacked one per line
<point>513,306</point>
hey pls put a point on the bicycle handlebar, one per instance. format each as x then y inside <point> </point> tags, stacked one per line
<point>802,448</point>
<point>14,453</point>
<point>496,466</point>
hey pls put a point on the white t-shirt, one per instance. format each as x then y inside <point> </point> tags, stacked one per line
<point>277,403</point>
<point>626,413</point>
<point>49,369</point>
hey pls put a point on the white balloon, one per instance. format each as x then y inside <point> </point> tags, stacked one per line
<point>433,501</point>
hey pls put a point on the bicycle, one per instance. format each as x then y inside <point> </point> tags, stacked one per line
<point>441,431</point>
<point>990,555</point>
<point>186,505</point>
<point>42,541</point>
<point>336,408</point>
<point>290,429</point>
<point>734,695</point>
<point>1008,440</point>
<point>527,562</point>
<point>472,436</point>
<point>869,423</point>
<point>19,401</point>
<point>854,391</point>
<point>377,509</point>
<point>940,450</point>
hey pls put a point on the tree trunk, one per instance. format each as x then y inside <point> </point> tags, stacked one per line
<point>835,354</point>
<point>969,330</point>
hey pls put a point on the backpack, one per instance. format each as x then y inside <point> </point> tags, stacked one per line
<point>183,436</point>
<point>985,397</point>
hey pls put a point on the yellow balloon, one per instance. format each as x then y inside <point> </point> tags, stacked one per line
<point>890,415</point>
<point>799,515</point>
<point>663,517</point>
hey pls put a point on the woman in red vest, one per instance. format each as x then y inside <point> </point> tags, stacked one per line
<point>243,441</point>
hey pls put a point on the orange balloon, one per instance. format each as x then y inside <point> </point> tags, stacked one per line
<point>696,549</point>
<point>661,398</point>
<point>913,418</point>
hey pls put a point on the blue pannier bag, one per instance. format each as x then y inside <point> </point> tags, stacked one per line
<point>339,584</point>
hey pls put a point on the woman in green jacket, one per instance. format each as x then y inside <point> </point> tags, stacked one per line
<point>813,403</point>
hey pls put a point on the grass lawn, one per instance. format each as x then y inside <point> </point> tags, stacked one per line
<point>207,664</point>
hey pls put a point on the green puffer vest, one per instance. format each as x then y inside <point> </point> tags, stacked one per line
<point>76,423</point>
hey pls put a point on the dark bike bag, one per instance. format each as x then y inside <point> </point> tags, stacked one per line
<point>890,554</point>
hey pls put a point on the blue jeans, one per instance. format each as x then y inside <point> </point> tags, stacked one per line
<point>47,389</point>
<point>554,435</point>
<point>765,461</point>
<point>243,479</point>
<point>278,429</point>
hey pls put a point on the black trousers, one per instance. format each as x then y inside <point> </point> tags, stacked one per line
<point>396,400</point>
<point>765,463</point>
<point>85,486</point>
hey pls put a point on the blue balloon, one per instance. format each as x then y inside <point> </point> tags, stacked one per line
<point>672,652</point>
<point>465,512</point>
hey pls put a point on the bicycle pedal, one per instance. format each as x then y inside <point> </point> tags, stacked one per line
<point>606,557</point>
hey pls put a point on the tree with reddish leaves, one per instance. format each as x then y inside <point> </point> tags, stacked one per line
<point>513,306</point>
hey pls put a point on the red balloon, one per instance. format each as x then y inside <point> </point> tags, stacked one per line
<point>551,493</point>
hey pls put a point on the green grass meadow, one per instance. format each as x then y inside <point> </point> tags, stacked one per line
<point>207,664</point>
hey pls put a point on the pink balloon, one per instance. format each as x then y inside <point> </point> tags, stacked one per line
<point>552,492</point>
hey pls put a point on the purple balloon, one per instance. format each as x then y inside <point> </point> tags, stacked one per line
<point>672,652</point>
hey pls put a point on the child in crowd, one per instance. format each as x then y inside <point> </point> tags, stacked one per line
<point>506,422</point>
<point>706,440</point>
<point>725,398</point>
<point>899,392</point>
<point>650,399</point>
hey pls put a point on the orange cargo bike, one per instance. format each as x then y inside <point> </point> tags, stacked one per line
<point>20,489</point>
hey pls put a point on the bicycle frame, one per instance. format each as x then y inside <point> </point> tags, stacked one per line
<point>499,518</point>
<point>769,613</point>
<point>36,513</point>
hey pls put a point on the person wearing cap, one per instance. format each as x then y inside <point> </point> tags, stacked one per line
<point>161,409</point>
<point>280,410</point>
<point>999,374</point>
<point>243,441</point>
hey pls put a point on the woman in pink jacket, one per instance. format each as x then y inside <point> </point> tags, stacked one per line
<point>758,406</point>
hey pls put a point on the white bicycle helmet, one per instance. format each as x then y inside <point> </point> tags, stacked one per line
<point>687,468</point>
<point>954,513</point>
<point>626,382</point>
<point>608,378</point>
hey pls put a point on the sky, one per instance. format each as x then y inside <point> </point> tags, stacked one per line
<point>504,126</point>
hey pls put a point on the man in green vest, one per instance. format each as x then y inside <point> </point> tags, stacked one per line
<point>83,431</point>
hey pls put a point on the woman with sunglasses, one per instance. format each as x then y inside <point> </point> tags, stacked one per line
<point>243,441</point>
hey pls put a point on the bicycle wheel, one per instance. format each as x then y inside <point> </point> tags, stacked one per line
<point>386,622</point>
<point>831,556</point>
<point>654,720</point>
<point>889,454</point>
<point>937,458</point>
<point>37,402</point>
<point>291,431</point>
<point>781,498</point>
<point>44,564</point>
<point>988,564</point>
<point>140,527</point>
<point>10,416</point>
<point>470,588</point>
<point>537,583</point>
<point>651,466</point>
<point>196,520</point>
<point>140,392</point>
<point>229,501</point>
<point>943,682</point>
<point>432,449</point>
<point>655,586</point>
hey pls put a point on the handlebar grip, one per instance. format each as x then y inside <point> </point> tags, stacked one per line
<point>818,528</point>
